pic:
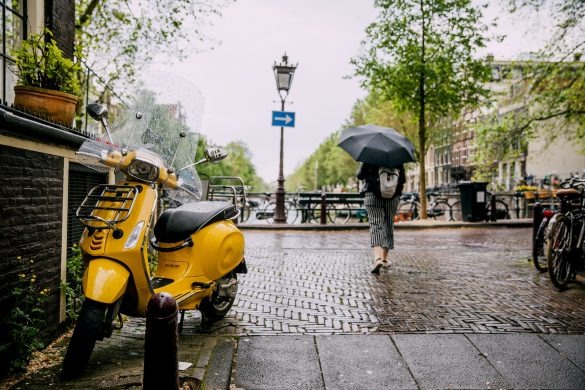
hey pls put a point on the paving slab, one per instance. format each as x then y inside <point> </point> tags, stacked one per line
<point>219,369</point>
<point>362,362</point>
<point>277,362</point>
<point>447,362</point>
<point>570,346</point>
<point>526,361</point>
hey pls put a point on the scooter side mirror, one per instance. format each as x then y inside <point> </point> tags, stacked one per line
<point>215,154</point>
<point>97,111</point>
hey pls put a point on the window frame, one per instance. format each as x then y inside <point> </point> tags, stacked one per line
<point>22,14</point>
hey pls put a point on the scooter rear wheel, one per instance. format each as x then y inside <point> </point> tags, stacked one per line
<point>89,328</point>
<point>220,302</point>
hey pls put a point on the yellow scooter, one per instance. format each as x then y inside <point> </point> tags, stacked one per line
<point>200,249</point>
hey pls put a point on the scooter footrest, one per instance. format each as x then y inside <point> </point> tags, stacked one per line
<point>157,282</point>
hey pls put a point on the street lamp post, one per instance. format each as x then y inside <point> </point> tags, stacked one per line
<point>283,74</point>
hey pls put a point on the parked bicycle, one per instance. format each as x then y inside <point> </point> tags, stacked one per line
<point>565,250</point>
<point>539,241</point>
<point>267,209</point>
<point>310,212</point>
<point>252,205</point>
<point>409,206</point>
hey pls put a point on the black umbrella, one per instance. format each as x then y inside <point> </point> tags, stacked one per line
<point>381,146</point>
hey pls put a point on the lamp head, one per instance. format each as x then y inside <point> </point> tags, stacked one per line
<point>283,74</point>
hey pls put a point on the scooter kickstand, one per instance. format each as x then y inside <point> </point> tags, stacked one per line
<point>120,324</point>
<point>182,317</point>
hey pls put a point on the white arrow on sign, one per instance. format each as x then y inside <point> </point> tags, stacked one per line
<point>287,119</point>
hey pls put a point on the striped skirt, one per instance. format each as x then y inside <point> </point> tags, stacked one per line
<point>381,219</point>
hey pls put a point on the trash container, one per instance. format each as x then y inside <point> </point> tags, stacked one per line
<point>473,201</point>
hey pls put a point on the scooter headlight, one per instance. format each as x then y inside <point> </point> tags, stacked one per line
<point>134,236</point>
<point>143,170</point>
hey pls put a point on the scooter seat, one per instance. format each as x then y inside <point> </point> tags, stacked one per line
<point>178,224</point>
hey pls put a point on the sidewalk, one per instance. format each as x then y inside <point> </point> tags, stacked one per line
<point>372,361</point>
<point>460,308</point>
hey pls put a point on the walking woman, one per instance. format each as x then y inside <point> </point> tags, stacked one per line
<point>380,211</point>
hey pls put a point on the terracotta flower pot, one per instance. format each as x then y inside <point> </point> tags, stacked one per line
<point>55,106</point>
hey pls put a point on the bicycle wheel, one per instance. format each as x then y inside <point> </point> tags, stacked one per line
<point>268,212</point>
<point>501,211</point>
<point>539,247</point>
<point>407,211</point>
<point>292,213</point>
<point>456,214</point>
<point>558,252</point>
<point>440,211</point>
<point>342,213</point>
<point>329,212</point>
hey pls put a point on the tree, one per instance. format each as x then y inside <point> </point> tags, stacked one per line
<point>377,110</point>
<point>117,37</point>
<point>550,96</point>
<point>238,163</point>
<point>556,76</point>
<point>419,56</point>
<point>328,166</point>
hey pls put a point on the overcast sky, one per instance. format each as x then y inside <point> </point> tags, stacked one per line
<point>237,81</point>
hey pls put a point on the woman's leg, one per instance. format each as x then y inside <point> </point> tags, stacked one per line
<point>375,208</point>
<point>390,207</point>
<point>380,253</point>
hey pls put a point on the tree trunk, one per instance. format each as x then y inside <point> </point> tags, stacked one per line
<point>422,131</point>
<point>422,168</point>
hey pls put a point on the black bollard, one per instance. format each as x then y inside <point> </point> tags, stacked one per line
<point>323,208</point>
<point>161,358</point>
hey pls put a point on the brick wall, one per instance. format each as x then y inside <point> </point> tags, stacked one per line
<point>60,18</point>
<point>31,202</point>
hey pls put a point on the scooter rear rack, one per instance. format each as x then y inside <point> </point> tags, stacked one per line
<point>228,189</point>
<point>113,203</point>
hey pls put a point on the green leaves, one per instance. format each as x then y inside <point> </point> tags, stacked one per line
<point>238,163</point>
<point>419,55</point>
<point>432,42</point>
<point>40,63</point>
<point>73,286</point>
<point>119,37</point>
<point>26,320</point>
<point>327,167</point>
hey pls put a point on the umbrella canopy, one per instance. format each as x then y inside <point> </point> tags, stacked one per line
<point>376,145</point>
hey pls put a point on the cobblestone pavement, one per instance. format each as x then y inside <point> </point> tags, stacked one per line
<point>466,280</point>
<point>441,281</point>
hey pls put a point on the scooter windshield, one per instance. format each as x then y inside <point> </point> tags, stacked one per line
<point>160,116</point>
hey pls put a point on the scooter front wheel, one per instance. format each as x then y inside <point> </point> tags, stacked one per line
<point>216,306</point>
<point>89,328</point>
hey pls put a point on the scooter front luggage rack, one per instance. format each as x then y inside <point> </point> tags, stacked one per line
<point>106,205</point>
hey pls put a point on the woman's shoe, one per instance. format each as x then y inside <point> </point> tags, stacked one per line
<point>377,265</point>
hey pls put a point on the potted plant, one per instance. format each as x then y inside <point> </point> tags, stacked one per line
<point>47,85</point>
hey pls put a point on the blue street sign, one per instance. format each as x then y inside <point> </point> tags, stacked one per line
<point>283,119</point>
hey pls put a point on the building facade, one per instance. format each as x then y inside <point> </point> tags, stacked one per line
<point>451,159</point>
<point>42,180</point>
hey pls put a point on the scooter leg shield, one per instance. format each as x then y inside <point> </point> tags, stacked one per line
<point>105,280</point>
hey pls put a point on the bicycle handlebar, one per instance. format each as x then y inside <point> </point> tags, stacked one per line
<point>573,182</point>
